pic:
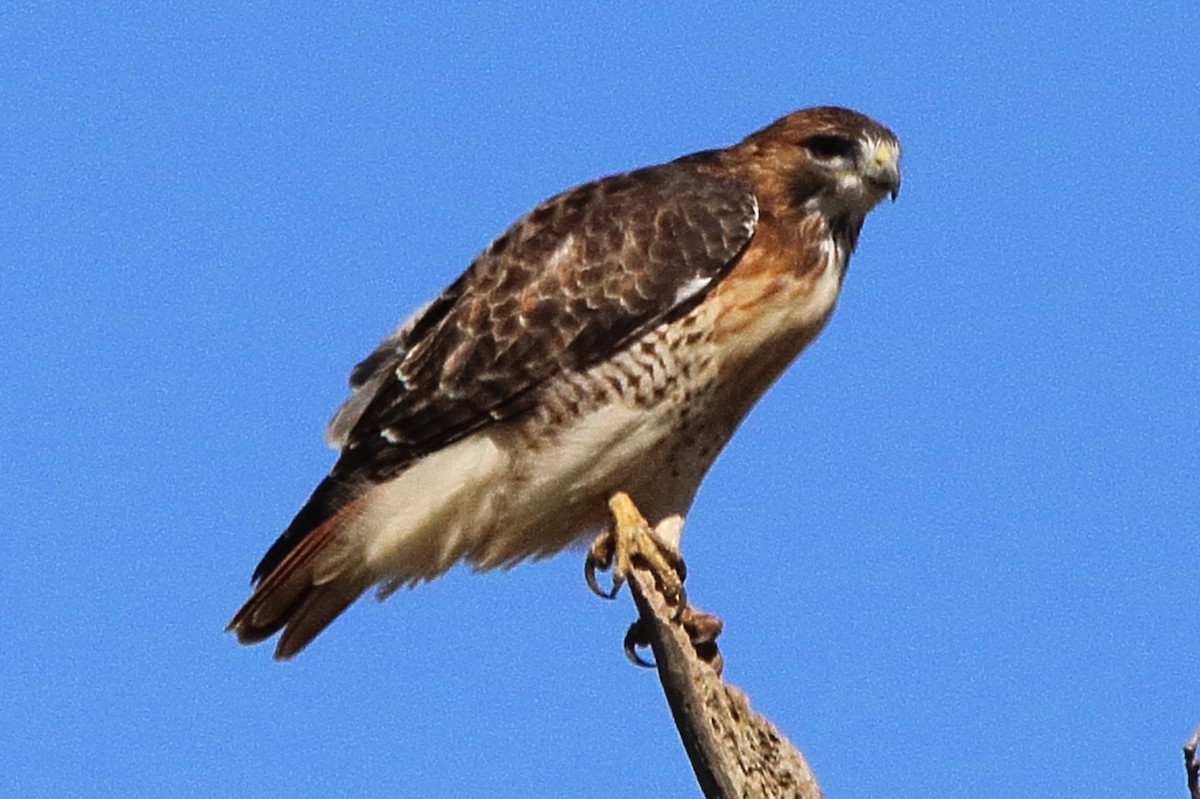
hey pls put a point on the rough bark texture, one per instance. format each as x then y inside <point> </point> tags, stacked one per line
<point>735,752</point>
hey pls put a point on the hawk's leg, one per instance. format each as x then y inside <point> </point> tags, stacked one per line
<point>630,540</point>
<point>632,537</point>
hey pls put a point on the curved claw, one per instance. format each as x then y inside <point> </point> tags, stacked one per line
<point>589,574</point>
<point>635,636</point>
<point>602,555</point>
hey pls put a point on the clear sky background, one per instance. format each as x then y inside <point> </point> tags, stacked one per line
<point>955,547</point>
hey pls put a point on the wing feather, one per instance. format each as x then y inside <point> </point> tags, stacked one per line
<point>571,282</point>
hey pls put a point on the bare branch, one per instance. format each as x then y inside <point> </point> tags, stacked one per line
<point>734,751</point>
<point>1190,763</point>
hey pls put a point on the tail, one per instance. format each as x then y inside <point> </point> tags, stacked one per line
<point>313,572</point>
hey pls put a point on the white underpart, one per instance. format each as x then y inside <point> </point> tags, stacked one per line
<point>595,449</point>
<point>418,521</point>
<point>452,504</point>
<point>819,304</point>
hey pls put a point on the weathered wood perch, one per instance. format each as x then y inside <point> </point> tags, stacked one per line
<point>734,751</point>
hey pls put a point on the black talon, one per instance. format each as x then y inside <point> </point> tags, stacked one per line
<point>589,574</point>
<point>635,636</point>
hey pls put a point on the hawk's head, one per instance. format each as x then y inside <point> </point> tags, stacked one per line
<point>830,160</point>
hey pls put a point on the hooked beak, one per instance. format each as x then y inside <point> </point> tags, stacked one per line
<point>884,169</point>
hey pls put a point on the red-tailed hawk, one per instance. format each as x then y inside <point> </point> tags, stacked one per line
<point>610,340</point>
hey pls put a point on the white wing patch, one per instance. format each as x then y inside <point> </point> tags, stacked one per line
<point>690,289</point>
<point>698,284</point>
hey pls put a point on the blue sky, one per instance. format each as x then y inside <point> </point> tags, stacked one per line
<point>954,547</point>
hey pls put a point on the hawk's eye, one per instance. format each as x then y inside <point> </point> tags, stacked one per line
<point>825,147</point>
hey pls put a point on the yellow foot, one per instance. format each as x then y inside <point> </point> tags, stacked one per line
<point>630,538</point>
<point>631,541</point>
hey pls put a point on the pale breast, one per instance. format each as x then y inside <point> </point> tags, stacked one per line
<point>651,418</point>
